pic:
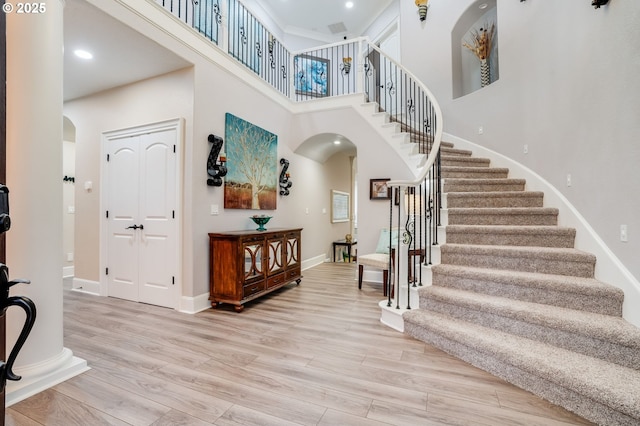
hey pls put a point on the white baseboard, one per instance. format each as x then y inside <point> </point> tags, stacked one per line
<point>36,378</point>
<point>195,304</point>
<point>314,261</point>
<point>68,271</point>
<point>86,286</point>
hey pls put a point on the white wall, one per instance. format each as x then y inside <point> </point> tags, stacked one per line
<point>568,89</point>
<point>386,19</point>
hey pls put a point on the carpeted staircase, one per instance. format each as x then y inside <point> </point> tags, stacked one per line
<point>514,297</point>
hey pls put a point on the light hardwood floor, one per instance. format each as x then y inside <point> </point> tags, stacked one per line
<point>314,354</point>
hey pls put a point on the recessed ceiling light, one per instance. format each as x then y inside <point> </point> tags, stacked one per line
<point>349,4</point>
<point>336,142</point>
<point>483,6</point>
<point>83,54</point>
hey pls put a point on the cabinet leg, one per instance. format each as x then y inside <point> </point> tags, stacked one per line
<point>298,281</point>
<point>214,304</point>
<point>238,308</point>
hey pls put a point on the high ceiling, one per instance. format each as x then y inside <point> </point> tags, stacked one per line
<point>122,55</point>
<point>324,19</point>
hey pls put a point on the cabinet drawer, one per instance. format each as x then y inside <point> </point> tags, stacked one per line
<point>251,289</point>
<point>275,280</point>
<point>292,273</point>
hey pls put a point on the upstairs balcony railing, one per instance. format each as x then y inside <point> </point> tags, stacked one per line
<point>344,68</point>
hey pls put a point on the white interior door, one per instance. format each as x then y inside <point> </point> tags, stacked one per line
<point>141,202</point>
<point>156,212</point>
<point>122,215</point>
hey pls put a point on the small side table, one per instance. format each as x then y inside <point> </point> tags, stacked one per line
<point>343,243</point>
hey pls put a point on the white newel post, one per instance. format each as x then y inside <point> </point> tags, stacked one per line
<point>34,178</point>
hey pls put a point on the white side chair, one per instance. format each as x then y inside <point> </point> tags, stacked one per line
<point>379,259</point>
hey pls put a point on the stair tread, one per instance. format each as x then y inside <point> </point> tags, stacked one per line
<point>474,169</point>
<point>603,327</point>
<point>480,181</point>
<point>467,160</point>
<point>503,210</point>
<point>495,194</point>
<point>511,235</point>
<point>569,253</point>
<point>455,151</point>
<point>511,229</point>
<point>564,283</point>
<point>611,384</point>
<point>549,260</point>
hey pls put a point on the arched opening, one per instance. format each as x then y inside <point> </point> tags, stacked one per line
<point>469,71</point>
<point>337,156</point>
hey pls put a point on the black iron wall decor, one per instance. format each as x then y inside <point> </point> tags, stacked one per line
<point>216,169</point>
<point>598,3</point>
<point>285,183</point>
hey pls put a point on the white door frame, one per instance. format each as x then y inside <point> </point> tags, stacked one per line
<point>178,125</point>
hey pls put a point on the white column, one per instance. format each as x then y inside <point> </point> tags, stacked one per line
<point>34,178</point>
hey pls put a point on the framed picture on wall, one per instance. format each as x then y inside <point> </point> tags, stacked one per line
<point>378,189</point>
<point>312,75</point>
<point>339,206</point>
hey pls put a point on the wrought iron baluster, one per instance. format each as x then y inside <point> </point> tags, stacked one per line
<point>243,36</point>
<point>217,14</point>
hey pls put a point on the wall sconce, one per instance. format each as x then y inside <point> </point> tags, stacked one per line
<point>423,6</point>
<point>598,3</point>
<point>216,169</point>
<point>345,66</point>
<point>285,183</point>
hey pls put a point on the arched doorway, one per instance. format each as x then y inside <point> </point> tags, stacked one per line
<point>337,171</point>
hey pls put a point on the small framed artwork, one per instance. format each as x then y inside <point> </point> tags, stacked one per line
<point>339,206</point>
<point>378,189</point>
<point>312,75</point>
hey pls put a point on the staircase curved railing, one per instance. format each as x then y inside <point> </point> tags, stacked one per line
<point>416,203</point>
<point>344,68</point>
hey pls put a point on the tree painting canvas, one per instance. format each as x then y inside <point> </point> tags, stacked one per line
<point>252,163</point>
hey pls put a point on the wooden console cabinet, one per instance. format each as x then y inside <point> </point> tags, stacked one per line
<point>244,265</point>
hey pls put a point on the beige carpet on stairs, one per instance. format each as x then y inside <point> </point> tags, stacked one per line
<point>514,297</point>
